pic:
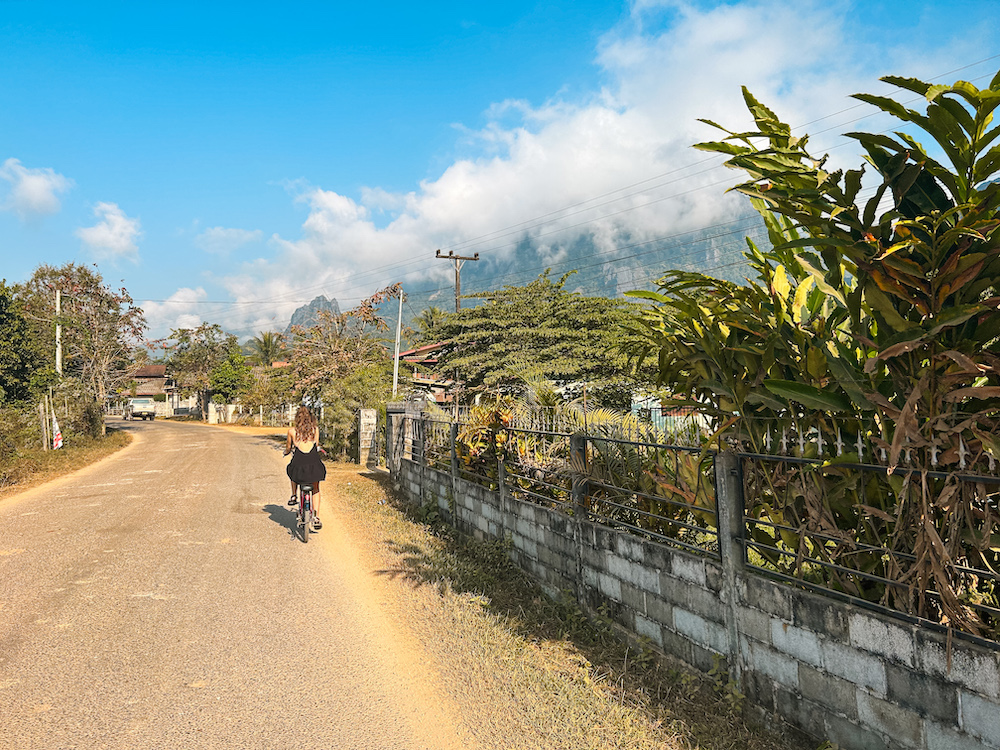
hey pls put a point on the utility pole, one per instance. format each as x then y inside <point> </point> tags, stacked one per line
<point>459,262</point>
<point>399,328</point>
<point>58,333</point>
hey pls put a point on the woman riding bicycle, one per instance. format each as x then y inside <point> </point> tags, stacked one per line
<point>306,466</point>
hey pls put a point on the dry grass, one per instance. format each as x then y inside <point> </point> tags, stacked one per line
<point>530,672</point>
<point>28,468</point>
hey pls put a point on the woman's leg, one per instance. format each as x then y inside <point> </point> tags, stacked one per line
<point>316,498</point>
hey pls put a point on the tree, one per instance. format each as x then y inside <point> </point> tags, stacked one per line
<point>882,328</point>
<point>266,348</point>
<point>540,330</point>
<point>340,344</point>
<point>17,360</point>
<point>344,364</point>
<point>429,324</point>
<point>101,326</point>
<point>231,376</point>
<point>194,355</point>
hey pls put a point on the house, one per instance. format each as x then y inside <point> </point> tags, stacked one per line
<point>438,388</point>
<point>152,380</point>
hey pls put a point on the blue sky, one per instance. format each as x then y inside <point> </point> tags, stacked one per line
<point>229,162</point>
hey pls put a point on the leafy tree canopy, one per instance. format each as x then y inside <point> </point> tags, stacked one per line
<point>538,330</point>
<point>194,354</point>
<point>231,376</point>
<point>18,361</point>
<point>340,345</point>
<point>101,326</point>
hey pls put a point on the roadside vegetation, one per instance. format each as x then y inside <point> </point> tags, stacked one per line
<point>28,467</point>
<point>530,671</point>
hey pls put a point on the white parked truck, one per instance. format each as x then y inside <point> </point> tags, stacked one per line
<point>144,408</point>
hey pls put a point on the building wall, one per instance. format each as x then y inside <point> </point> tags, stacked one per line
<point>859,678</point>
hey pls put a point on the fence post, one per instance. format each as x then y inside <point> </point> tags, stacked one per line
<point>730,514</point>
<point>578,465</point>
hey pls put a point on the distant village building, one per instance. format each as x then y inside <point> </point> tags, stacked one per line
<point>433,384</point>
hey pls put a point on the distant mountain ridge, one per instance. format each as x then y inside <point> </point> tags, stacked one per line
<point>308,315</point>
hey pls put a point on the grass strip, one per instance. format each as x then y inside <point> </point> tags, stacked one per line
<point>23,469</point>
<point>533,672</point>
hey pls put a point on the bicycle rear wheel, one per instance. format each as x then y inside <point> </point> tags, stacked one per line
<point>305,511</point>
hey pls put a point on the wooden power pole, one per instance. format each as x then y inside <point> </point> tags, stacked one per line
<point>459,262</point>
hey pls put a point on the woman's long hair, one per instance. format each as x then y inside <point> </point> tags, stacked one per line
<point>305,425</point>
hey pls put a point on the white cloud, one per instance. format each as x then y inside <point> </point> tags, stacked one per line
<point>220,240</point>
<point>114,235</point>
<point>666,66</point>
<point>33,192</point>
<point>181,310</point>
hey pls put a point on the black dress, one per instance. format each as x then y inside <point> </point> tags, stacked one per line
<point>306,468</point>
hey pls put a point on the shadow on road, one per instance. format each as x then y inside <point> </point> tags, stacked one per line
<point>282,516</point>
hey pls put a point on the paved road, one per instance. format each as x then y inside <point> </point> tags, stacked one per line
<point>159,600</point>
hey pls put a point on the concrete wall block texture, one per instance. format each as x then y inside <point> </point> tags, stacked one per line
<point>860,668</point>
<point>980,717</point>
<point>530,549</point>
<point>713,576</point>
<point>689,568</point>
<point>646,628</point>
<point>880,637</point>
<point>820,615</point>
<point>801,644</point>
<point>700,630</point>
<point>971,666</point>
<point>634,597</point>
<point>659,610</point>
<point>769,596</point>
<point>837,694</point>
<point>524,528</point>
<point>845,733</point>
<point>706,603</point>
<point>775,665</point>
<point>595,558</point>
<point>754,623</point>
<point>905,727</point>
<point>630,548</point>
<point>799,712</point>
<point>633,573</point>
<point>589,577</point>
<point>610,586</point>
<point>677,644</point>
<point>704,658</point>
<point>923,694</point>
<point>946,738</point>
<point>604,538</point>
<point>654,555</point>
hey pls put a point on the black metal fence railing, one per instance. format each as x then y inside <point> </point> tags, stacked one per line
<point>920,543</point>
<point>657,491</point>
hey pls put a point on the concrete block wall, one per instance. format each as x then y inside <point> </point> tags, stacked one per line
<point>863,679</point>
<point>859,678</point>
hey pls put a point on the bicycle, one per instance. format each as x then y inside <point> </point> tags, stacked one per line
<point>304,513</point>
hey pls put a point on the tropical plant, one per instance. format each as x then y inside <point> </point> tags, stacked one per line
<point>874,330</point>
<point>266,348</point>
<point>429,323</point>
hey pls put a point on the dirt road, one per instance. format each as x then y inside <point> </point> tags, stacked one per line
<point>159,600</point>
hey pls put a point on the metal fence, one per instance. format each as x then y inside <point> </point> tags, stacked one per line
<point>830,526</point>
<point>916,542</point>
<point>654,490</point>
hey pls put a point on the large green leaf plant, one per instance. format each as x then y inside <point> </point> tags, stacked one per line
<point>871,333</point>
